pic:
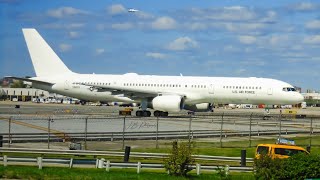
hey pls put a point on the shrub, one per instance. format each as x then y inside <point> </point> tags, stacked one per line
<point>299,166</point>
<point>180,160</point>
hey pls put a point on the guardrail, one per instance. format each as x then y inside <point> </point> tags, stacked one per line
<point>101,163</point>
<point>114,154</point>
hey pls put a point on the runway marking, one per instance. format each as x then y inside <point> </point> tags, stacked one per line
<point>60,134</point>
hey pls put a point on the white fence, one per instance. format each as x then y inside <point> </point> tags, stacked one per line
<point>101,163</point>
<point>116,154</point>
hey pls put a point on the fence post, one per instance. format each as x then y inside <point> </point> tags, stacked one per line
<point>311,131</point>
<point>157,144</point>
<point>1,141</point>
<point>123,131</point>
<point>97,163</point>
<point>280,118</point>
<point>85,133</point>
<point>138,167</point>
<point>190,121</point>
<point>5,160</point>
<point>108,166</point>
<point>9,141</point>
<point>39,160</point>
<point>250,130</point>
<point>221,129</point>
<point>126,154</point>
<point>101,162</point>
<point>71,163</point>
<point>243,157</point>
<point>49,122</point>
<point>198,168</point>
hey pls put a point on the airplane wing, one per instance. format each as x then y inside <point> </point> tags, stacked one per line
<point>29,80</point>
<point>130,93</point>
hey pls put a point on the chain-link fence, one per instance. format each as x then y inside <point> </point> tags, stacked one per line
<point>113,132</point>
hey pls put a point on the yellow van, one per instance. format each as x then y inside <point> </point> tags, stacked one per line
<point>280,151</point>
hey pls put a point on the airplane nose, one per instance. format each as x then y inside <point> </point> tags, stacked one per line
<point>299,97</point>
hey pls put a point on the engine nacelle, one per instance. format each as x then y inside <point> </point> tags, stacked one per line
<point>203,107</point>
<point>168,103</point>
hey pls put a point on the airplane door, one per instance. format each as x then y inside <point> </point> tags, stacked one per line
<point>270,91</point>
<point>66,85</point>
<point>211,89</point>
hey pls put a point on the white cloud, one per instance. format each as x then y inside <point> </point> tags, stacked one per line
<point>122,26</point>
<point>230,48</point>
<point>65,11</point>
<point>271,16</point>
<point>315,39</point>
<point>99,51</point>
<point>64,26</point>
<point>116,9</point>
<point>233,13</point>
<point>65,47</point>
<point>164,23</point>
<point>182,43</point>
<point>315,24</point>
<point>156,55</point>
<point>304,6</point>
<point>143,15</point>
<point>278,39</point>
<point>197,26</point>
<point>243,27</point>
<point>75,25</point>
<point>74,34</point>
<point>247,39</point>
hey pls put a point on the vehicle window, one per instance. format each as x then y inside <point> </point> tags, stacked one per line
<point>288,152</point>
<point>263,150</point>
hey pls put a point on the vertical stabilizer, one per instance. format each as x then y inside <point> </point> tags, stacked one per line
<point>45,61</point>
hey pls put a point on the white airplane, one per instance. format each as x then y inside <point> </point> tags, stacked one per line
<point>133,10</point>
<point>162,93</point>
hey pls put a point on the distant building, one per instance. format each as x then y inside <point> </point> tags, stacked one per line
<point>312,99</point>
<point>22,94</point>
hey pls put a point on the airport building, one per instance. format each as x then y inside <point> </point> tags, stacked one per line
<point>312,98</point>
<point>22,94</point>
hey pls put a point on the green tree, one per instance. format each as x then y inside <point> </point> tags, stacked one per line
<point>180,159</point>
<point>18,84</point>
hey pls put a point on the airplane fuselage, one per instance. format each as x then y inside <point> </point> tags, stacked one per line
<point>196,89</point>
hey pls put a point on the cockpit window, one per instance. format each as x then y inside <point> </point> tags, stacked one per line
<point>288,89</point>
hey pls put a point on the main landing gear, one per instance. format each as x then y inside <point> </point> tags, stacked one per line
<point>160,114</point>
<point>146,113</point>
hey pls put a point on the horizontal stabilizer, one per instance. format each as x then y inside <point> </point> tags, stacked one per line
<point>29,80</point>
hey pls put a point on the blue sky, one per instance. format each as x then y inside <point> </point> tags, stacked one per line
<point>274,39</point>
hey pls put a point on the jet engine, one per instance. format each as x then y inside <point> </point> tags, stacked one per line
<point>203,107</point>
<point>168,103</point>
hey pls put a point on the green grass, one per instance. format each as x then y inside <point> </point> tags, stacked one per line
<point>233,148</point>
<point>27,172</point>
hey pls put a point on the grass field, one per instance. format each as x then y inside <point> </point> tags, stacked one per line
<point>26,172</point>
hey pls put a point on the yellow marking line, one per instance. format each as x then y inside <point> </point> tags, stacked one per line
<point>55,132</point>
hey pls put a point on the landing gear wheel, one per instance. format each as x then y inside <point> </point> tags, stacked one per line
<point>165,114</point>
<point>146,113</point>
<point>139,113</point>
<point>157,113</point>
<point>143,113</point>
